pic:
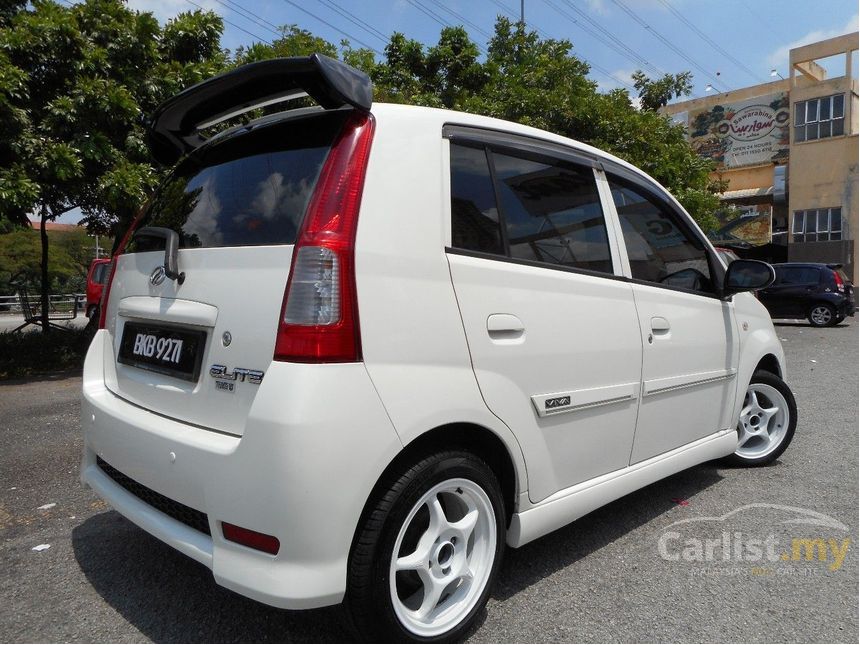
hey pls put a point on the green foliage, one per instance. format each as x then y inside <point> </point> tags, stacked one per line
<point>654,94</point>
<point>76,86</point>
<point>68,262</point>
<point>28,354</point>
<point>78,83</point>
<point>292,42</point>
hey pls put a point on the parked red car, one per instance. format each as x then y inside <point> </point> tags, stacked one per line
<point>95,283</point>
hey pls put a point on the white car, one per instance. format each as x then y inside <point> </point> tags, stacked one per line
<point>350,352</point>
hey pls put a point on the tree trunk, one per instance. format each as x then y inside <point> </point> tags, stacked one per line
<point>45,284</point>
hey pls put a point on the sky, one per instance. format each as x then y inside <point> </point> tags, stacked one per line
<point>727,44</point>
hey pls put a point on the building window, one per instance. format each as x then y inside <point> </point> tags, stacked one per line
<point>819,118</point>
<point>817,225</point>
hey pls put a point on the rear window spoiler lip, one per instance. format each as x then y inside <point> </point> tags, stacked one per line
<point>174,129</point>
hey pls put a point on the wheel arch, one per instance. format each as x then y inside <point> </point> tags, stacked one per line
<point>769,363</point>
<point>477,439</point>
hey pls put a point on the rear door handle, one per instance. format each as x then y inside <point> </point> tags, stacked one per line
<point>505,327</point>
<point>660,326</point>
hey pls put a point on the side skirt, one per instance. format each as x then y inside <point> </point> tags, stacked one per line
<point>572,503</point>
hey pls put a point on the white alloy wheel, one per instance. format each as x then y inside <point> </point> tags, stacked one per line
<point>443,557</point>
<point>763,423</point>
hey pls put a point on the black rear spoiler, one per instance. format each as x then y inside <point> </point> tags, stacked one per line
<point>175,127</point>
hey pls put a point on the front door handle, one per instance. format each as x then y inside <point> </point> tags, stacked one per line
<point>505,327</point>
<point>659,329</point>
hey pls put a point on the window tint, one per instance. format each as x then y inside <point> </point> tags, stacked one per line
<point>659,250</point>
<point>552,213</point>
<point>799,275</point>
<point>99,273</point>
<point>474,216</point>
<point>249,190</point>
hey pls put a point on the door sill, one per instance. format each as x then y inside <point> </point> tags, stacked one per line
<point>570,504</point>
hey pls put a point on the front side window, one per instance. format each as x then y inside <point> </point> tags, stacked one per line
<point>817,225</point>
<point>819,118</point>
<point>552,212</point>
<point>660,250</point>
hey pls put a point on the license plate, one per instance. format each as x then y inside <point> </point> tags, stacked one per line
<point>166,350</point>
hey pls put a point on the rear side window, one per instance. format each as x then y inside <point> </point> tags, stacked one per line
<point>660,249</point>
<point>532,208</point>
<point>250,190</point>
<point>552,212</point>
<point>474,216</point>
<point>799,275</point>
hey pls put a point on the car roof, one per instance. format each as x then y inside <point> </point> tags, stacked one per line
<point>433,117</point>
<point>436,118</point>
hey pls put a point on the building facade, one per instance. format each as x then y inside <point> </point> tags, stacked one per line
<point>787,152</point>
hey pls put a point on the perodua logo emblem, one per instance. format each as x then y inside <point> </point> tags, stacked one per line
<point>157,276</point>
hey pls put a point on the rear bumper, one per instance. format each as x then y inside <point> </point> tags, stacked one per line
<point>302,471</point>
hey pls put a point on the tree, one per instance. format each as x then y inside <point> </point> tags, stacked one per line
<point>20,260</point>
<point>654,94</point>
<point>76,85</point>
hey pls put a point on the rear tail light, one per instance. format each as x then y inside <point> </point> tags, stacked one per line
<point>103,303</point>
<point>840,285</point>
<point>251,539</point>
<point>319,315</point>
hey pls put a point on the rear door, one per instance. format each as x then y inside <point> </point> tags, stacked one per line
<point>797,288</point>
<point>551,328</point>
<point>237,206</point>
<point>690,346</point>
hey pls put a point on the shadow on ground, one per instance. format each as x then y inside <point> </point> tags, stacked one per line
<point>170,598</point>
<point>525,566</point>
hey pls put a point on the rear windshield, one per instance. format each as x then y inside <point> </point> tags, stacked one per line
<point>250,190</point>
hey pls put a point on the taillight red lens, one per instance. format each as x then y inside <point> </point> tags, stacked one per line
<point>112,267</point>
<point>319,314</point>
<point>840,285</point>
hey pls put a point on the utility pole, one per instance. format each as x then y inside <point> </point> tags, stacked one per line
<point>523,14</point>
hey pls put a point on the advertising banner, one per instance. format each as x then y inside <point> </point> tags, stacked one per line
<point>744,133</point>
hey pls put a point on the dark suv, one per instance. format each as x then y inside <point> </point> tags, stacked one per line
<point>821,293</point>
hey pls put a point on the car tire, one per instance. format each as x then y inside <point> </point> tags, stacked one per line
<point>446,510</point>
<point>767,421</point>
<point>822,314</point>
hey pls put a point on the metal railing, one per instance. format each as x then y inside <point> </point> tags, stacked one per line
<point>58,302</point>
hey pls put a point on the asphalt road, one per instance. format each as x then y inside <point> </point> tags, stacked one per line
<point>628,572</point>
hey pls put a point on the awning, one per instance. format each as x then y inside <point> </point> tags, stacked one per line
<point>747,193</point>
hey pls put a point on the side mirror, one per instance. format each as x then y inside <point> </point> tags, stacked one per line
<point>747,275</point>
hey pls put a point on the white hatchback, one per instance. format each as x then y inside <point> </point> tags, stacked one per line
<point>347,353</point>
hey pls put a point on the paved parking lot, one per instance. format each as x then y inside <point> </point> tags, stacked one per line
<point>676,561</point>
